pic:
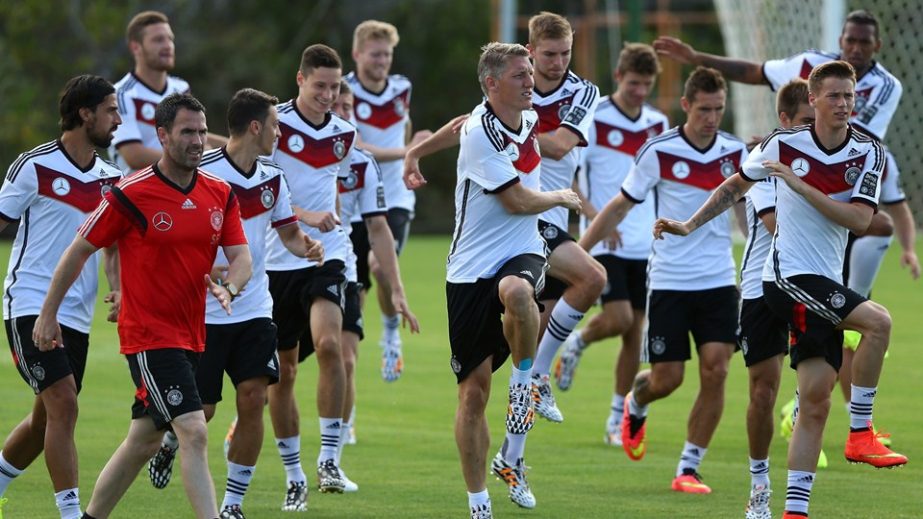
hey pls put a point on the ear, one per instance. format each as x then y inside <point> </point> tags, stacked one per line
<point>255,127</point>
<point>355,54</point>
<point>299,78</point>
<point>162,134</point>
<point>86,113</point>
<point>134,47</point>
<point>784,121</point>
<point>617,75</point>
<point>684,103</point>
<point>811,99</point>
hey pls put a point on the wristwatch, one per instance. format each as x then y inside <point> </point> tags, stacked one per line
<point>232,289</point>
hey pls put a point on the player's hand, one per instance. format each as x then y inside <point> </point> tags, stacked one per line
<point>313,250</point>
<point>458,122</point>
<point>407,318</point>
<point>114,298</point>
<point>754,141</point>
<point>219,273</point>
<point>569,199</point>
<point>779,170</point>
<point>419,137</point>
<point>46,333</point>
<point>614,240</point>
<point>909,259</point>
<point>413,179</point>
<point>324,221</point>
<point>220,293</point>
<point>675,49</point>
<point>665,225</point>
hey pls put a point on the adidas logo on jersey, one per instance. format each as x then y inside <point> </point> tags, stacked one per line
<point>566,93</point>
<point>188,204</point>
<point>723,149</point>
<point>263,175</point>
<point>853,152</point>
<point>335,129</point>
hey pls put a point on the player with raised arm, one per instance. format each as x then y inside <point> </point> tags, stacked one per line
<point>382,116</point>
<point>622,124</point>
<point>50,190</point>
<point>169,218</point>
<point>685,165</point>
<point>830,176</point>
<point>150,40</point>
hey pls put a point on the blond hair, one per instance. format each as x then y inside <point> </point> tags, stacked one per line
<point>836,69</point>
<point>791,96</point>
<point>494,58</point>
<point>549,26</point>
<point>374,30</point>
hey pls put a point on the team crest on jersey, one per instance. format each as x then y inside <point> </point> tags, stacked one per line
<point>104,189</point>
<point>216,219</point>
<point>61,186</point>
<point>800,166</point>
<point>175,397</point>
<point>148,110</point>
<point>364,110</point>
<point>681,169</point>
<point>162,221</point>
<point>851,175</point>
<point>295,143</point>
<point>351,180</point>
<point>339,149</point>
<point>550,232</point>
<point>399,107</point>
<point>658,345</point>
<point>615,138</point>
<point>837,300</point>
<point>727,168</point>
<point>267,198</point>
<point>562,111</point>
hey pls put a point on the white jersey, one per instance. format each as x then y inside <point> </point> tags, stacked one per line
<point>760,200</point>
<point>265,205</point>
<point>492,157</point>
<point>51,196</point>
<point>313,157</point>
<point>362,195</point>
<point>877,91</point>
<point>570,106</point>
<point>382,121</point>
<point>807,242</point>
<point>614,139</point>
<point>891,191</point>
<point>684,177</point>
<point>137,104</point>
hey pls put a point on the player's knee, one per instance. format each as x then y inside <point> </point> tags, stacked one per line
<point>472,399</point>
<point>287,372</point>
<point>251,398</point>
<point>193,434</point>
<point>665,382</point>
<point>763,394</point>
<point>328,345</point>
<point>880,323</point>
<point>517,296</point>
<point>616,323</point>
<point>714,373</point>
<point>349,362</point>
<point>60,402</point>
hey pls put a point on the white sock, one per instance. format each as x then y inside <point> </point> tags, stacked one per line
<point>865,259</point>
<point>635,409</point>
<point>344,435</point>
<point>578,336</point>
<point>290,452</point>
<point>616,408</point>
<point>7,474</point>
<point>521,377</point>
<point>759,473</point>
<point>170,440</point>
<point>798,494</point>
<point>390,328</point>
<point>690,458</point>
<point>861,400</point>
<point>68,502</point>
<point>329,439</point>
<point>239,477</point>
<point>478,499</point>
<point>564,318</point>
<point>513,448</point>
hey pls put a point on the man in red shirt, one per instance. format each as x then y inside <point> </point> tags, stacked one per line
<point>168,221</point>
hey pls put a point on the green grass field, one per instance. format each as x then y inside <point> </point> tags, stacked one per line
<point>406,463</point>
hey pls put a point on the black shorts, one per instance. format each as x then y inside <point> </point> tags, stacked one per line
<point>709,315</point>
<point>398,221</point>
<point>244,350</point>
<point>625,280</point>
<point>352,317</point>
<point>813,306</point>
<point>554,236</point>
<point>293,291</point>
<point>165,384</point>
<point>475,312</point>
<point>762,334</point>
<point>41,369</point>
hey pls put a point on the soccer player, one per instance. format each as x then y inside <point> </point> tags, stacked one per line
<point>685,165</point>
<point>150,41</point>
<point>830,182</point>
<point>622,123</point>
<point>168,218</point>
<point>382,109</point>
<point>50,190</point>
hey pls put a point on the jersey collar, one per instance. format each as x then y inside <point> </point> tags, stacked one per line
<point>693,146</point>
<point>327,117</point>
<point>170,183</point>
<point>839,147</point>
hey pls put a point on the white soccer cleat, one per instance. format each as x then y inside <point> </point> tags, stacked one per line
<point>543,399</point>
<point>758,507</point>
<point>348,484</point>
<point>392,361</point>
<point>613,433</point>
<point>515,478</point>
<point>566,367</point>
<point>482,511</point>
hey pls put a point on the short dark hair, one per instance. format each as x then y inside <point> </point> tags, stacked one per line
<point>84,91</point>
<point>836,69</point>
<point>319,55</point>
<point>791,96</point>
<point>170,105</point>
<point>639,58</point>
<point>863,17</point>
<point>135,29</point>
<point>248,105</point>
<point>345,88</point>
<point>703,79</point>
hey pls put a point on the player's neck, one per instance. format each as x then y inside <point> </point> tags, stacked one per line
<point>631,111</point>
<point>700,141</point>
<point>509,116</point>
<point>371,85</point>
<point>180,176</point>
<point>78,147</point>
<point>830,137</point>
<point>544,84</point>
<point>155,79</point>
<point>242,153</point>
<point>314,117</point>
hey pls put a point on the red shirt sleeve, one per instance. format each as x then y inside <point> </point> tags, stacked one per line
<point>108,222</point>
<point>232,232</point>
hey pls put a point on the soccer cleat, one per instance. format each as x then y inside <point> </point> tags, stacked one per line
<point>794,515</point>
<point>520,416</point>
<point>690,482</point>
<point>392,361</point>
<point>160,467</point>
<point>883,437</point>
<point>351,437</point>
<point>479,511</point>
<point>329,479</point>
<point>229,436</point>
<point>349,485</point>
<point>634,430</point>
<point>865,447</point>
<point>232,512</point>
<point>566,366</point>
<point>296,497</point>
<point>515,478</point>
<point>758,507</point>
<point>544,400</point>
<point>613,433</point>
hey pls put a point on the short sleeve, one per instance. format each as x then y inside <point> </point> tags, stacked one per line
<point>579,118</point>
<point>343,171</point>
<point>891,191</point>
<point>232,232</point>
<point>752,167</point>
<point>19,191</point>
<point>492,169</point>
<point>778,72</point>
<point>763,196</point>
<point>875,115</point>
<point>643,176</point>
<point>128,131</point>
<point>867,188</point>
<point>114,217</point>
<point>282,212</point>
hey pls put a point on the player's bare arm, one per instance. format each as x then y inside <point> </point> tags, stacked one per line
<point>555,145</point>
<point>240,268</point>
<point>906,232</point>
<point>727,194</point>
<point>444,138</point>
<point>606,221</point>
<point>324,221</point>
<point>139,156</point>
<point>381,241</point>
<point>739,70</point>
<point>113,276</point>
<point>47,332</point>
<point>518,199</point>
<point>300,244</point>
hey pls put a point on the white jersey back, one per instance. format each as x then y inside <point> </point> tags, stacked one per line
<point>51,196</point>
<point>806,242</point>
<point>877,91</point>
<point>382,121</point>
<point>265,205</point>
<point>492,157</point>
<point>570,106</point>
<point>362,194</point>
<point>760,200</point>
<point>891,190</point>
<point>615,138</point>
<point>312,157</point>
<point>684,177</point>
<point>137,104</point>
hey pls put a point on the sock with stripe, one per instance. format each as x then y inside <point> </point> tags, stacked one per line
<point>239,477</point>
<point>759,473</point>
<point>290,452</point>
<point>861,400</point>
<point>798,495</point>
<point>690,458</point>
<point>329,439</point>
<point>68,502</point>
<point>564,318</point>
<point>7,474</point>
<point>616,408</point>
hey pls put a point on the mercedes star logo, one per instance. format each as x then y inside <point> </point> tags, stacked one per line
<point>800,167</point>
<point>162,221</point>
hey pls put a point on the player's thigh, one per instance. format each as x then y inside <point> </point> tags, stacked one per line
<point>670,314</point>
<point>326,323</point>
<point>571,264</point>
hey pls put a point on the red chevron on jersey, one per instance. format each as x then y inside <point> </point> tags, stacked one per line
<point>550,115</point>
<point>806,69</point>
<point>862,97</point>
<point>527,156</point>
<point>705,176</point>
<point>625,141</point>
<point>257,199</point>
<point>144,110</point>
<point>84,196</point>
<point>316,153</point>
<point>385,115</point>
<point>826,178</point>
<point>356,178</point>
